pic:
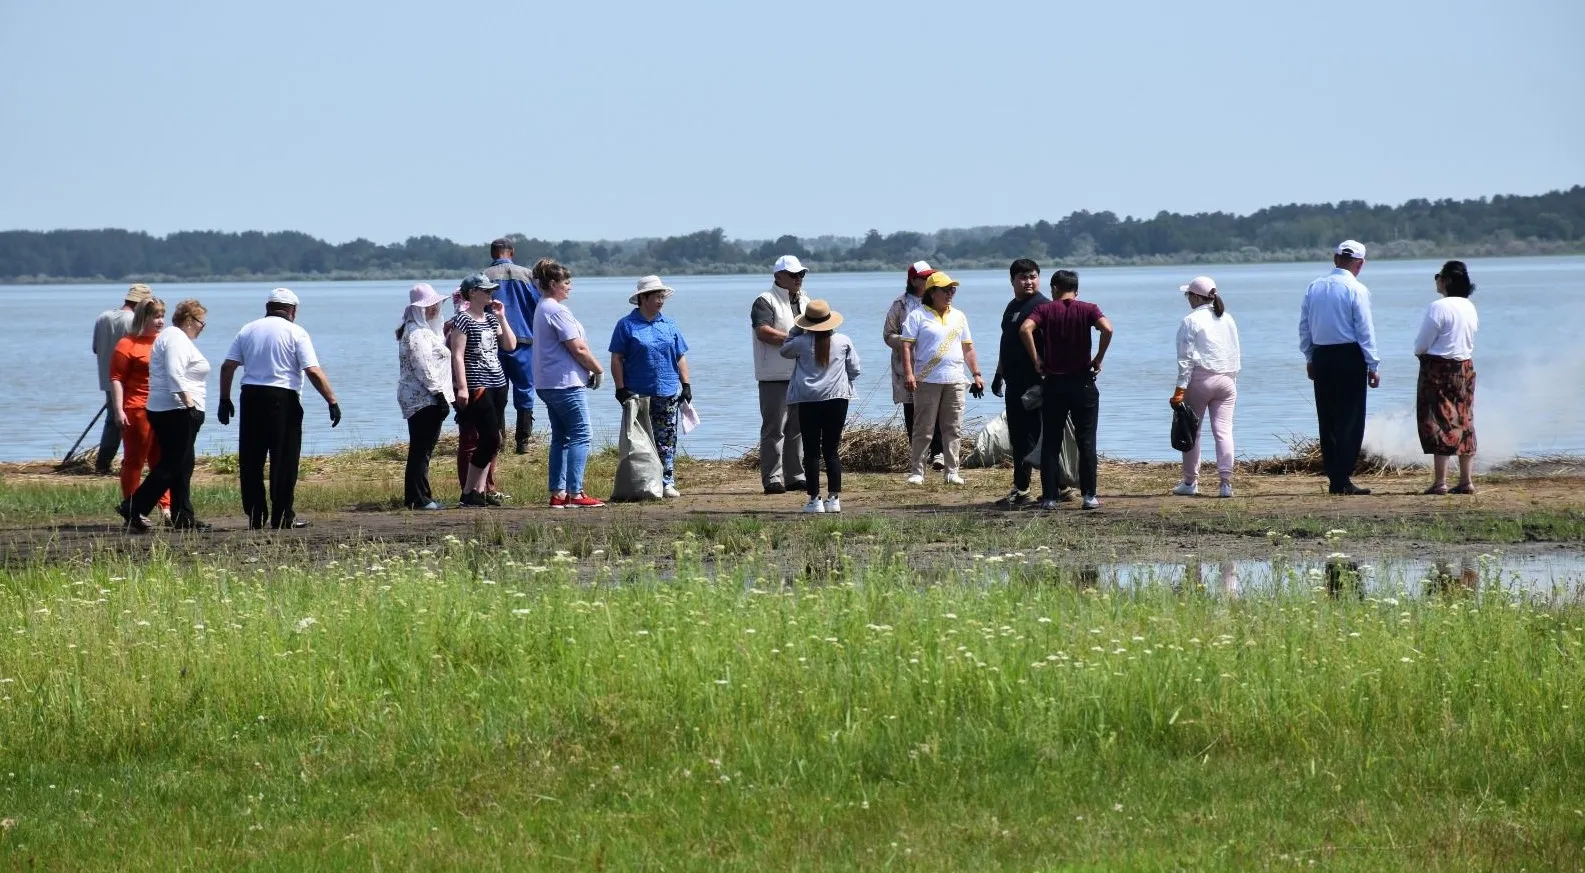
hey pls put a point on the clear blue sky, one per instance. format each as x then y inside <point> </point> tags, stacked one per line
<point>585,120</point>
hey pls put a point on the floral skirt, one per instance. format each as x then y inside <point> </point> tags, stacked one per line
<point>1444,406</point>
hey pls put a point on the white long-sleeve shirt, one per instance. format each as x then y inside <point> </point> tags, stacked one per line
<point>176,366</point>
<point>1336,310</point>
<point>1207,343</point>
<point>1448,329</point>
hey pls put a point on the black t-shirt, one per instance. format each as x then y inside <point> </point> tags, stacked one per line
<point>1016,367</point>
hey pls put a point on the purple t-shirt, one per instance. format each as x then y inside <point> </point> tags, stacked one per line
<point>1062,330</point>
<point>554,366</point>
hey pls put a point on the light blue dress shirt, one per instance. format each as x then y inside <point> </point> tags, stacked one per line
<point>1336,310</point>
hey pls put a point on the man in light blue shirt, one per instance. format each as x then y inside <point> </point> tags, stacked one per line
<point>1338,340</point>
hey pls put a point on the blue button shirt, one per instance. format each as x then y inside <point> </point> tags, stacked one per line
<point>650,351</point>
<point>1336,310</point>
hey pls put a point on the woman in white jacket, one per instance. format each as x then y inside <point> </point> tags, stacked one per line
<point>423,389</point>
<point>1208,365</point>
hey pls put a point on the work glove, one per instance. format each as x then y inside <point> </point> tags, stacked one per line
<point>1177,397</point>
<point>977,390</point>
<point>623,395</point>
<point>227,411</point>
<point>335,414</point>
<point>687,393</point>
<point>594,381</point>
<point>998,385</point>
<point>440,399</point>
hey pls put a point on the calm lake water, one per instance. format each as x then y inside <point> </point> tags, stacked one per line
<point>1527,353</point>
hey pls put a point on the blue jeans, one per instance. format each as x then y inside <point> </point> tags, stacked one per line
<point>568,411</point>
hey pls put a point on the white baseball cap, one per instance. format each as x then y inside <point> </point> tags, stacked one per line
<point>1201,286</point>
<point>1352,249</point>
<point>283,296</point>
<point>789,264</point>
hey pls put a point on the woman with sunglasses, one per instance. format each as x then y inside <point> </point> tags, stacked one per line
<point>177,376</point>
<point>1444,402</point>
<point>938,360</point>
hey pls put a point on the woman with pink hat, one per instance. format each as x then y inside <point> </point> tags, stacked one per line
<point>1208,364</point>
<point>423,389</point>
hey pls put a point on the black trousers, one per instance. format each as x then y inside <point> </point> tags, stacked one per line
<point>176,431</point>
<point>1023,428</point>
<point>822,422</point>
<point>908,423</point>
<point>423,432</point>
<point>270,428</point>
<point>1064,397</point>
<point>486,411</point>
<point>109,439</point>
<point>1340,373</point>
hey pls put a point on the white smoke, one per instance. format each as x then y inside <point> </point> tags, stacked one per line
<point>1532,404</point>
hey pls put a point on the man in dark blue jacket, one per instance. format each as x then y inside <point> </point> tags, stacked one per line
<point>520,298</point>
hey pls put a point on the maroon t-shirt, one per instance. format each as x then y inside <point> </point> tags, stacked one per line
<point>1062,331</point>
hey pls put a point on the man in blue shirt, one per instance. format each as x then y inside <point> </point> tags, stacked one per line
<point>1339,345</point>
<point>519,298</point>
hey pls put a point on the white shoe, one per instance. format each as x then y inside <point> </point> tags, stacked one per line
<point>1091,503</point>
<point>814,505</point>
<point>916,479</point>
<point>834,503</point>
<point>953,478</point>
<point>1226,490</point>
<point>1186,489</point>
<point>671,491</point>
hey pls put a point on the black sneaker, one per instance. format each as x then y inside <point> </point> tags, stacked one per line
<point>1350,490</point>
<point>1014,499</point>
<point>473,498</point>
<point>775,488</point>
<point>1048,505</point>
<point>494,498</point>
<point>799,484</point>
<point>124,509</point>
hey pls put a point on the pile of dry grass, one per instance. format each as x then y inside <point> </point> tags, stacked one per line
<point>1304,458</point>
<point>873,447</point>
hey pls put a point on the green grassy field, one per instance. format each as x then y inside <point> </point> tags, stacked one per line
<point>476,706</point>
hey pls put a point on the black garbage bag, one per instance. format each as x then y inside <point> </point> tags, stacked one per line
<point>1185,427</point>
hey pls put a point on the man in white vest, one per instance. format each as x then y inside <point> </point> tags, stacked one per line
<point>780,454</point>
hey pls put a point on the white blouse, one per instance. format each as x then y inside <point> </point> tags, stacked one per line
<point>175,366</point>
<point>425,370</point>
<point>1206,342</point>
<point>1448,330</point>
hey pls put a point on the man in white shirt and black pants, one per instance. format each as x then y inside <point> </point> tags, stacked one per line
<point>274,353</point>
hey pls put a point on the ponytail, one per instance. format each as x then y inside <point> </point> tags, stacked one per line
<point>1217,306</point>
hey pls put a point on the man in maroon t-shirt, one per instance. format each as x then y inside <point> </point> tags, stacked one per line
<point>1067,381</point>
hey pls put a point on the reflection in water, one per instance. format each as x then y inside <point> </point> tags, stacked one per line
<point>1441,579</point>
<point>1342,575</point>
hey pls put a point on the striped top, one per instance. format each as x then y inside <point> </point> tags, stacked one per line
<point>481,358</point>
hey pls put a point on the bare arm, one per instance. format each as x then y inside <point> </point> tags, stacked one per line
<point>585,358</point>
<point>321,382</point>
<point>682,368</point>
<point>769,335</point>
<point>504,336</point>
<point>227,371</point>
<point>909,382</point>
<point>1026,335</point>
<point>1104,325</point>
<point>459,366</point>
<point>972,358</point>
<point>618,378</point>
<point>116,399</point>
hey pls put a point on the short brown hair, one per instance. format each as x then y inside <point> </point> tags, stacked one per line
<point>547,271</point>
<point>189,310</point>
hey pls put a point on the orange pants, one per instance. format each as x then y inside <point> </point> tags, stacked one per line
<point>139,448</point>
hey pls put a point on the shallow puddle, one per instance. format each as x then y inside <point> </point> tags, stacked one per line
<point>1556,576</point>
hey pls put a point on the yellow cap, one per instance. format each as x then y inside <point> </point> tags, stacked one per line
<point>939,279</point>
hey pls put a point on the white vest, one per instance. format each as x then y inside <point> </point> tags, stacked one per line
<point>769,365</point>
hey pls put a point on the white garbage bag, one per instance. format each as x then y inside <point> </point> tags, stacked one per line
<point>639,474</point>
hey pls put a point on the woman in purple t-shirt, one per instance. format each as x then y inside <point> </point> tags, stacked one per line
<point>563,367</point>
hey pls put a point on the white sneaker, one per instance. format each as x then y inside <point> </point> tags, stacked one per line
<point>953,478</point>
<point>834,503</point>
<point>671,491</point>
<point>1226,490</point>
<point>1186,489</point>
<point>916,479</point>
<point>814,505</point>
<point>1091,503</point>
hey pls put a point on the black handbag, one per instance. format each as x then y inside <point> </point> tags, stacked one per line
<point>1185,427</point>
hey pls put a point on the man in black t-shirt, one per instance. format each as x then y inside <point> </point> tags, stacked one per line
<point>1015,374</point>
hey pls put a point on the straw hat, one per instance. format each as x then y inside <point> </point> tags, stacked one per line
<point>648,284</point>
<point>818,316</point>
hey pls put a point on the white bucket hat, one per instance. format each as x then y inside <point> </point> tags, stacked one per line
<point>648,284</point>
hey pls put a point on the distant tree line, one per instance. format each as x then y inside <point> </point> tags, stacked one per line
<point>1552,222</point>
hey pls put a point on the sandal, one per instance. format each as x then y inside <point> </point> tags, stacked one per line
<point>1435,489</point>
<point>1462,489</point>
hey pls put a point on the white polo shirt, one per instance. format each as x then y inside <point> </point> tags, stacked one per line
<point>273,352</point>
<point>936,342</point>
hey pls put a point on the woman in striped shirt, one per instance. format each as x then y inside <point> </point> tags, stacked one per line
<point>478,335</point>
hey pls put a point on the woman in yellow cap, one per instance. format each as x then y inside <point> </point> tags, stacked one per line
<point>939,359</point>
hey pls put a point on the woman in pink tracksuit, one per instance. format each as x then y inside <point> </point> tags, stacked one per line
<point>1208,364</point>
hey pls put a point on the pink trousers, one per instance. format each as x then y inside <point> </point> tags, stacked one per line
<point>1216,392</point>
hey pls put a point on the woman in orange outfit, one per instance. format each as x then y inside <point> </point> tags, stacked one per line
<point>129,391</point>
